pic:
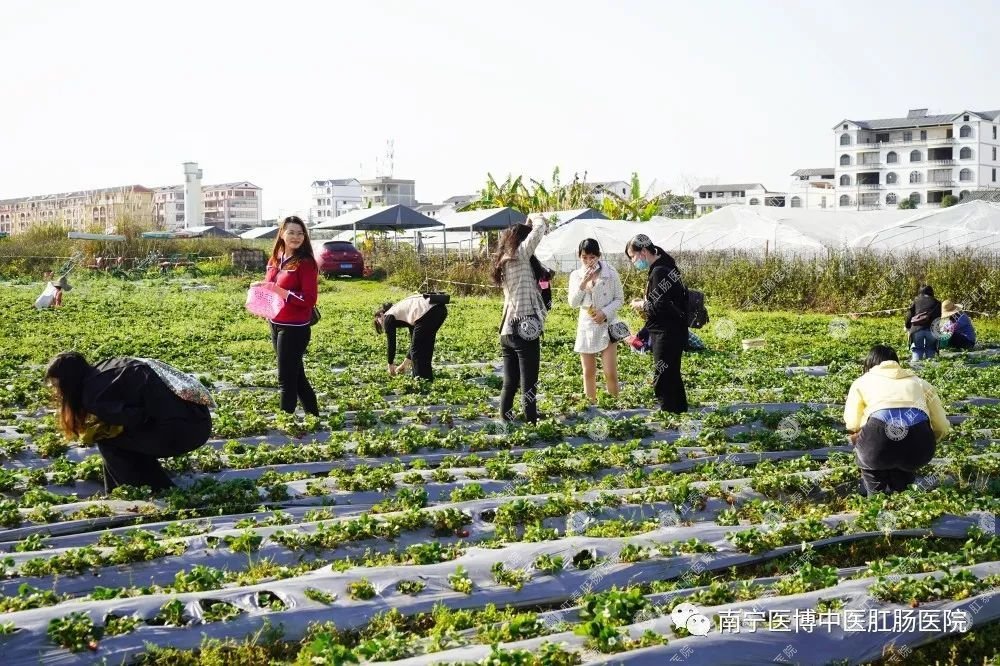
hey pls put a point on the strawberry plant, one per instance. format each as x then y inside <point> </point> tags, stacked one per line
<point>460,581</point>
<point>361,590</point>
<point>75,632</point>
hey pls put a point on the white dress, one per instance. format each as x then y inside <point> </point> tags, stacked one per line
<point>607,296</point>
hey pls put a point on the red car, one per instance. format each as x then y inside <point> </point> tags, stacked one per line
<point>339,258</point>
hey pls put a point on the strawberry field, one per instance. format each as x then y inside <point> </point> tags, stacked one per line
<point>407,525</point>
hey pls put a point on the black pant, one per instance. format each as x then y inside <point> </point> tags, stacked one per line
<point>422,340</point>
<point>959,341</point>
<point>521,359</point>
<point>131,457</point>
<point>290,344</point>
<point>668,385</point>
<point>888,455</point>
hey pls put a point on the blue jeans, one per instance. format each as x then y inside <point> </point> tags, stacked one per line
<point>924,345</point>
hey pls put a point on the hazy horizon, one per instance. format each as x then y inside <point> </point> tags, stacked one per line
<point>112,93</point>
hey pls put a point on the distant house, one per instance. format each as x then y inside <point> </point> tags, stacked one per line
<point>713,197</point>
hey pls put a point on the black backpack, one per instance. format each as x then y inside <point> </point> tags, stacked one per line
<point>697,314</point>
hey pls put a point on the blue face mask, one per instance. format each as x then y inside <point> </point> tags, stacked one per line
<point>640,264</point>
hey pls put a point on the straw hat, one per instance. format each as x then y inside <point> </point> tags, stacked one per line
<point>63,284</point>
<point>949,308</point>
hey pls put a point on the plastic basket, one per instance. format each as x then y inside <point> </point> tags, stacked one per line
<point>263,302</point>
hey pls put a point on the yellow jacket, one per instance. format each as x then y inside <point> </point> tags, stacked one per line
<point>887,385</point>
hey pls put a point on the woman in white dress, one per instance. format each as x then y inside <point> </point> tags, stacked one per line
<point>596,289</point>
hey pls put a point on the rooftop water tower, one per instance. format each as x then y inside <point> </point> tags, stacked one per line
<point>193,216</point>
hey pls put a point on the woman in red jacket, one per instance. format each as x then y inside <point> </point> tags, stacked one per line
<point>292,273</point>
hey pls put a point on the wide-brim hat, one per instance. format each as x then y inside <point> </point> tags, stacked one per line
<point>949,308</point>
<point>63,284</point>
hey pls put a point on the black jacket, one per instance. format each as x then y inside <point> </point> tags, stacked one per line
<point>925,309</point>
<point>127,392</point>
<point>666,299</point>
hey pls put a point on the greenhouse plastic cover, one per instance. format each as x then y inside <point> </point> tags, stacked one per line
<point>970,226</point>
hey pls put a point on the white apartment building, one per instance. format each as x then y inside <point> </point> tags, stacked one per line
<point>387,191</point>
<point>812,188</point>
<point>712,197</point>
<point>334,197</point>
<point>227,206</point>
<point>920,157</point>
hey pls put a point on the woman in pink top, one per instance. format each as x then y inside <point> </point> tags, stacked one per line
<point>292,273</point>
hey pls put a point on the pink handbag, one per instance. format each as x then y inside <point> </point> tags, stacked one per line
<point>263,302</point>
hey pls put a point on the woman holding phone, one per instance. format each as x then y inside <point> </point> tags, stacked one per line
<point>596,289</point>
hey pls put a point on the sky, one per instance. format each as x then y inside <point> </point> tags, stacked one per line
<point>101,93</point>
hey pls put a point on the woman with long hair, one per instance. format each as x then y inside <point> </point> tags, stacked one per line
<point>424,318</point>
<point>665,309</point>
<point>517,270</point>
<point>131,412</point>
<point>292,273</point>
<point>896,420</point>
<point>596,289</point>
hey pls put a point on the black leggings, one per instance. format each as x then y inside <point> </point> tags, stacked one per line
<point>290,344</point>
<point>668,384</point>
<point>132,457</point>
<point>889,455</point>
<point>521,359</point>
<point>422,340</point>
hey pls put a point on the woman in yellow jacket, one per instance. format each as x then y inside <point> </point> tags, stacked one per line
<point>896,420</point>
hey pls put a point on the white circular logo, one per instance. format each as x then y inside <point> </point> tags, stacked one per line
<point>689,429</point>
<point>529,329</point>
<point>839,328</point>
<point>788,428</point>
<point>896,430</point>
<point>669,519</point>
<point>577,522</point>
<point>771,520</point>
<point>988,523</point>
<point>886,521</point>
<point>598,429</point>
<point>939,327</point>
<point>724,329</point>
<point>698,625</point>
<point>679,615</point>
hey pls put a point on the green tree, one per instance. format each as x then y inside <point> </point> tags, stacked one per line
<point>948,200</point>
<point>636,206</point>
<point>907,204</point>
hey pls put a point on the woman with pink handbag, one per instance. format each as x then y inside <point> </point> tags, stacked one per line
<point>293,276</point>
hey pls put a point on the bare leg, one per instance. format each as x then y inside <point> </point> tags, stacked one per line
<point>589,362</point>
<point>609,360</point>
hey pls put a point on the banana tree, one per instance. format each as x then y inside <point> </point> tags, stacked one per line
<point>637,206</point>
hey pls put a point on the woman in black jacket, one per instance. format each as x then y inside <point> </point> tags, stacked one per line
<point>665,309</point>
<point>132,414</point>
<point>924,311</point>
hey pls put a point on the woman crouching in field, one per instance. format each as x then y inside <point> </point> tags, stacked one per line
<point>134,411</point>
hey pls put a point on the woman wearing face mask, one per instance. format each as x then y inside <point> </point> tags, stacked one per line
<point>516,269</point>
<point>665,309</point>
<point>596,289</point>
<point>292,273</point>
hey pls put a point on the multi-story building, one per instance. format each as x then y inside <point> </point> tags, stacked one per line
<point>388,191</point>
<point>921,157</point>
<point>79,211</point>
<point>227,206</point>
<point>332,198</point>
<point>812,188</point>
<point>713,197</point>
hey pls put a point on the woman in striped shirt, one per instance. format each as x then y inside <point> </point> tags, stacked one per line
<point>516,269</point>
